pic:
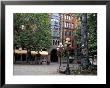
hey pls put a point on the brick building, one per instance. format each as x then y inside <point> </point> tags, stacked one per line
<point>68,27</point>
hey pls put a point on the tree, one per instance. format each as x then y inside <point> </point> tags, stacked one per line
<point>32,30</point>
<point>84,40</point>
<point>92,33</point>
<point>87,36</point>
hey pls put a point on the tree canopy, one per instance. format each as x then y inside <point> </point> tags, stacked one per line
<point>32,30</point>
<point>92,33</point>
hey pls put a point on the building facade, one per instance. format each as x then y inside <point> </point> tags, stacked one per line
<point>63,25</point>
<point>55,29</point>
<point>68,28</point>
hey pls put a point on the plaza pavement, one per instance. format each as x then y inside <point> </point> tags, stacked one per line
<point>36,69</point>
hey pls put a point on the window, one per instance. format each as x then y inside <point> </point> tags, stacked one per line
<point>69,33</point>
<point>52,20</point>
<point>55,42</point>
<point>65,24</point>
<point>56,23</point>
<point>58,42</point>
<point>61,15</point>
<point>67,17</point>
<point>56,28</point>
<point>69,25</point>
<point>66,33</point>
<point>56,20</point>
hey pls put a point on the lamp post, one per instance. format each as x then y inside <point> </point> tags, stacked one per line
<point>60,46</point>
<point>67,43</point>
<point>22,27</point>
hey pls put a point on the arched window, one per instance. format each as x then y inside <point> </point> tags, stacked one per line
<point>58,42</point>
<point>53,42</point>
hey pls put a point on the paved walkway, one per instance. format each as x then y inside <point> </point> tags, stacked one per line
<point>37,69</point>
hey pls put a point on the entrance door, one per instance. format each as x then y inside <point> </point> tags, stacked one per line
<point>54,57</point>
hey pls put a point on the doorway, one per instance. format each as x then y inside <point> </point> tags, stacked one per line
<point>53,56</point>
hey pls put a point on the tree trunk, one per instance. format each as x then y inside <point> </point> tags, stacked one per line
<point>28,55</point>
<point>84,40</point>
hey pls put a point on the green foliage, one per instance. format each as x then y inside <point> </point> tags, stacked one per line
<point>36,33</point>
<point>92,33</point>
<point>92,29</point>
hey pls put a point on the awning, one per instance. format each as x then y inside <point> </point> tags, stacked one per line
<point>32,52</point>
<point>41,52</point>
<point>21,51</point>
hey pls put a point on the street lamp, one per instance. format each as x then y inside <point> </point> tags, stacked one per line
<point>22,27</point>
<point>67,43</point>
<point>60,46</point>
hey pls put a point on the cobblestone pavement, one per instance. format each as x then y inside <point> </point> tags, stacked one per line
<point>37,69</point>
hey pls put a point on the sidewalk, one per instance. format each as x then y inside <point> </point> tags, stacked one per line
<point>37,69</point>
